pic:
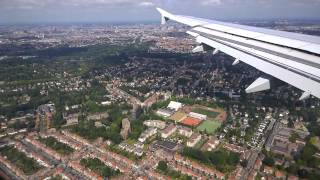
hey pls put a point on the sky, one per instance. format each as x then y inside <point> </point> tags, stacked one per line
<point>65,11</point>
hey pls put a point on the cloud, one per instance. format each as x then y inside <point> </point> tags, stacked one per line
<point>17,4</point>
<point>147,4</point>
<point>211,2</point>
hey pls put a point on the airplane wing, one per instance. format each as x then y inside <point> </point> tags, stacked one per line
<point>290,57</point>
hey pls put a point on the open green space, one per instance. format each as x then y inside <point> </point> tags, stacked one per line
<point>315,141</point>
<point>210,114</point>
<point>164,169</point>
<point>222,159</point>
<point>209,126</point>
<point>61,148</point>
<point>89,131</point>
<point>99,167</point>
<point>28,165</point>
<point>113,123</point>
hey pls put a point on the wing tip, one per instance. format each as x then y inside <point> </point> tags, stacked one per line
<point>159,9</point>
<point>165,16</point>
<point>163,12</point>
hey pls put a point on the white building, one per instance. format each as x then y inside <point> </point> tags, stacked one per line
<point>106,103</point>
<point>185,131</point>
<point>147,134</point>
<point>98,116</point>
<point>165,112</point>
<point>155,123</point>
<point>212,143</point>
<point>194,139</point>
<point>168,131</point>
<point>174,105</point>
<point>198,116</point>
<point>72,119</point>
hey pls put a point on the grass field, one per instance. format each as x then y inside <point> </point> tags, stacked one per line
<point>209,126</point>
<point>210,114</point>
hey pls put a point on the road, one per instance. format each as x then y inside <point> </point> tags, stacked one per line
<point>251,161</point>
<point>6,173</point>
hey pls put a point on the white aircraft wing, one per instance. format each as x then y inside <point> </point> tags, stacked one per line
<point>291,57</point>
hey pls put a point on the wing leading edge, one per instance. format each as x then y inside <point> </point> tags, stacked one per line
<point>290,57</point>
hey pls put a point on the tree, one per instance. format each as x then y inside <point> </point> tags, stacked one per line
<point>294,136</point>
<point>162,166</point>
<point>268,161</point>
<point>244,163</point>
<point>57,120</point>
<point>302,173</point>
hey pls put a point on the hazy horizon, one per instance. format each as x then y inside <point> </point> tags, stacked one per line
<point>150,22</point>
<point>119,11</point>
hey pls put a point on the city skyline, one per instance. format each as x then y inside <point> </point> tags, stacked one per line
<point>106,11</point>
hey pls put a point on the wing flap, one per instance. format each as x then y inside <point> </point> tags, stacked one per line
<point>290,57</point>
<point>297,80</point>
<point>287,39</point>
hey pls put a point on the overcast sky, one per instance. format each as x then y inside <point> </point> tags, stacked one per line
<point>33,11</point>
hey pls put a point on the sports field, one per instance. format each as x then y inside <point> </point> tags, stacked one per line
<point>178,116</point>
<point>209,126</point>
<point>210,114</point>
<point>189,121</point>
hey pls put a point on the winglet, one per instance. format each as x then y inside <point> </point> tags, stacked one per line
<point>165,16</point>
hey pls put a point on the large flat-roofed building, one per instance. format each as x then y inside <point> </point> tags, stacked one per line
<point>185,131</point>
<point>165,112</point>
<point>166,145</point>
<point>147,134</point>
<point>72,119</point>
<point>194,139</point>
<point>155,123</point>
<point>198,116</point>
<point>168,131</point>
<point>278,141</point>
<point>174,105</point>
<point>211,144</point>
<point>98,116</point>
